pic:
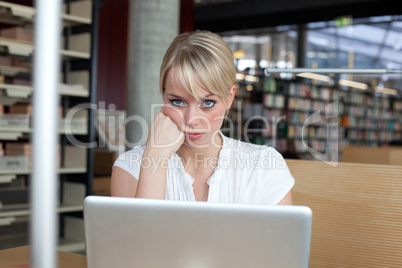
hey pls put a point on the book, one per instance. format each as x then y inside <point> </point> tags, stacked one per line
<point>22,147</point>
<point>18,33</point>
<point>16,149</point>
<point>14,162</point>
<point>5,61</point>
<point>27,108</point>
<point>21,108</point>
<point>14,120</point>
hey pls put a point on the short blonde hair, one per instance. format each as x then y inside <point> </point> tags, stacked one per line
<point>200,58</point>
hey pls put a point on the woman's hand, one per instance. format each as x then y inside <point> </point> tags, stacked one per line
<point>164,137</point>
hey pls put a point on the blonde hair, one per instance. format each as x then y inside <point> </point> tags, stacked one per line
<point>200,58</point>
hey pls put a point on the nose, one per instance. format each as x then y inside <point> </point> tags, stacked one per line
<point>193,116</point>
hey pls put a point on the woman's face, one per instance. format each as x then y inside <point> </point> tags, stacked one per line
<point>199,120</point>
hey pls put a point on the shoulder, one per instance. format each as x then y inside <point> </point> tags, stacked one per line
<point>253,157</point>
<point>262,171</point>
<point>135,154</point>
<point>130,161</point>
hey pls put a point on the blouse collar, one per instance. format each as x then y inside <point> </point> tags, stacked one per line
<point>218,172</point>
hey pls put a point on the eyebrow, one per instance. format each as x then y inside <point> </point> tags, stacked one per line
<point>209,95</point>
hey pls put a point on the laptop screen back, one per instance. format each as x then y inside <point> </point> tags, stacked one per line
<point>129,232</point>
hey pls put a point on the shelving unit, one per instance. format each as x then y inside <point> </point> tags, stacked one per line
<point>313,116</point>
<point>18,14</point>
<point>77,85</point>
<point>371,121</point>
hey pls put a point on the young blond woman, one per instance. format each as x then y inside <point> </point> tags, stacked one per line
<point>186,156</point>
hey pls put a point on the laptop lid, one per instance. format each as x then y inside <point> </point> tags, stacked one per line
<point>145,233</point>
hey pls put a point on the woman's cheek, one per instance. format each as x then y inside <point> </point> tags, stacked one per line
<point>216,119</point>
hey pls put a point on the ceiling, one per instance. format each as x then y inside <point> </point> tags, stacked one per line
<point>226,15</point>
<point>374,38</point>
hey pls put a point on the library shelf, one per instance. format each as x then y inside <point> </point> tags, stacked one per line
<point>69,170</point>
<point>26,49</point>
<point>25,211</point>
<point>20,13</point>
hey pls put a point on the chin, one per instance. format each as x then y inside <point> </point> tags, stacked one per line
<point>195,143</point>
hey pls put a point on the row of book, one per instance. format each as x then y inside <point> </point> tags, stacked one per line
<point>278,102</point>
<point>269,84</point>
<point>298,117</point>
<point>332,109</point>
<point>359,98</point>
<point>20,121</point>
<point>300,104</point>
<point>274,101</point>
<point>272,85</point>
<point>329,151</point>
<point>397,105</point>
<point>377,102</point>
<point>18,33</point>
<point>373,135</point>
<point>251,110</point>
<point>284,130</point>
<point>329,133</point>
<point>380,125</point>
<point>15,62</point>
<point>273,116</point>
<point>313,91</point>
<point>19,115</point>
<point>373,113</point>
<point>18,155</point>
<point>255,112</point>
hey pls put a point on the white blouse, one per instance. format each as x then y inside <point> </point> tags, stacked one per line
<point>246,173</point>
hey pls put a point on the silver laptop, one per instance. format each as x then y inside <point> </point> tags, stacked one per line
<point>144,233</point>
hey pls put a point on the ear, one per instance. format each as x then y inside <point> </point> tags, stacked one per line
<point>232,92</point>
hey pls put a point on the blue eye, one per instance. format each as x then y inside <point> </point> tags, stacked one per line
<point>209,103</point>
<point>177,102</point>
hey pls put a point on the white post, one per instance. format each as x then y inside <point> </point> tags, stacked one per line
<point>44,180</point>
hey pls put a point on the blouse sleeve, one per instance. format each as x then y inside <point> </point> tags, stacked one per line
<point>271,178</point>
<point>280,179</point>
<point>130,161</point>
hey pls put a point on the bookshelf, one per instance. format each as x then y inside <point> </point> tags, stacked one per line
<point>316,117</point>
<point>77,86</point>
<point>371,121</point>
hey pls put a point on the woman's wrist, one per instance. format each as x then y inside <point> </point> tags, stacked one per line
<point>157,152</point>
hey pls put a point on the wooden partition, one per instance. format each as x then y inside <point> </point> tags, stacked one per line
<point>387,155</point>
<point>357,213</point>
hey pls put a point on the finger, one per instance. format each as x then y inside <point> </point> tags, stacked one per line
<point>182,137</point>
<point>168,108</point>
<point>176,115</point>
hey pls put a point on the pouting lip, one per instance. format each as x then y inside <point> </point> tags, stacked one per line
<point>193,133</point>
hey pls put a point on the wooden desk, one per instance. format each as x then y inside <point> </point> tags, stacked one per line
<point>19,257</point>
